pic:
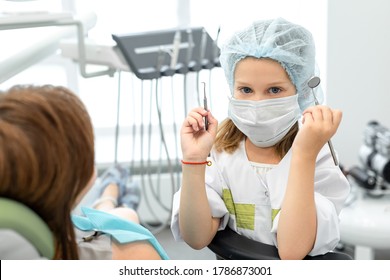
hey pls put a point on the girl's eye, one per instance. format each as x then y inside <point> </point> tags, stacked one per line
<point>245,90</point>
<point>274,90</point>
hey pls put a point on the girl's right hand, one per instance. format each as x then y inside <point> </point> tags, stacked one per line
<point>196,142</point>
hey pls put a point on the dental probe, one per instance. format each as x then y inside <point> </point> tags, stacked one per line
<point>206,121</point>
<point>313,83</point>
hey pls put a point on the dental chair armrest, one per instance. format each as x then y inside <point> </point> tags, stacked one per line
<point>229,245</point>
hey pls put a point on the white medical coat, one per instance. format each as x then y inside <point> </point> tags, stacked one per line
<point>249,203</point>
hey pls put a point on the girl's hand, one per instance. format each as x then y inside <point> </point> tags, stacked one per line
<point>196,142</point>
<point>319,124</point>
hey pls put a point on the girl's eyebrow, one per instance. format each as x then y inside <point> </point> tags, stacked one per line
<point>241,82</point>
<point>281,82</point>
<point>266,84</point>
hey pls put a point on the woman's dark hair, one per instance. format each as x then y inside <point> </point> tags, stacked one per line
<point>46,155</point>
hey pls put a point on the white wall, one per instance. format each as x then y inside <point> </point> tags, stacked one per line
<point>358,69</point>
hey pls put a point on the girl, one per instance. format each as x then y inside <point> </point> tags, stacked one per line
<point>270,175</point>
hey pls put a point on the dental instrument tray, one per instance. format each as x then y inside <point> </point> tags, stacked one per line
<point>154,54</point>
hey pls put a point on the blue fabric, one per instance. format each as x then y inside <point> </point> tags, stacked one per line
<point>122,230</point>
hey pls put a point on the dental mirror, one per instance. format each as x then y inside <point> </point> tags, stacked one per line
<point>313,83</point>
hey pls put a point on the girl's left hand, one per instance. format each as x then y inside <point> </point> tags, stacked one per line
<point>319,124</point>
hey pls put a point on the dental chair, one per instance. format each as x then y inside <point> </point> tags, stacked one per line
<point>229,245</point>
<point>23,234</point>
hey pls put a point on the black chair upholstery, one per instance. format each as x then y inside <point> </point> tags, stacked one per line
<point>229,245</point>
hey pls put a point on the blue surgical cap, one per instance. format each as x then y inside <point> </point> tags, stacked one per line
<point>288,43</point>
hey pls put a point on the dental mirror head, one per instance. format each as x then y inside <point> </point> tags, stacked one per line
<point>314,82</point>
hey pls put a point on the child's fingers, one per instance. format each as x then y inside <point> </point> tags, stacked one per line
<point>323,113</point>
<point>337,116</point>
<point>213,123</point>
<point>195,119</point>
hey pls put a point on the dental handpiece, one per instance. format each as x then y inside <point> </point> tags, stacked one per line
<point>206,120</point>
<point>313,83</point>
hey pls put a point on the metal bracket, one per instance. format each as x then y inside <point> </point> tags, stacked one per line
<point>80,35</point>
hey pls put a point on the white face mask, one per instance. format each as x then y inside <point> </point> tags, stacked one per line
<point>265,122</point>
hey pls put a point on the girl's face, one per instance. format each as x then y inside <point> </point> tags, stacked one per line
<point>259,79</point>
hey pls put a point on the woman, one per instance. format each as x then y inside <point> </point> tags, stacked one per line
<point>47,164</point>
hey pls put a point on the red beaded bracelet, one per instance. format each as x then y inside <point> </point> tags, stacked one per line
<point>208,162</point>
